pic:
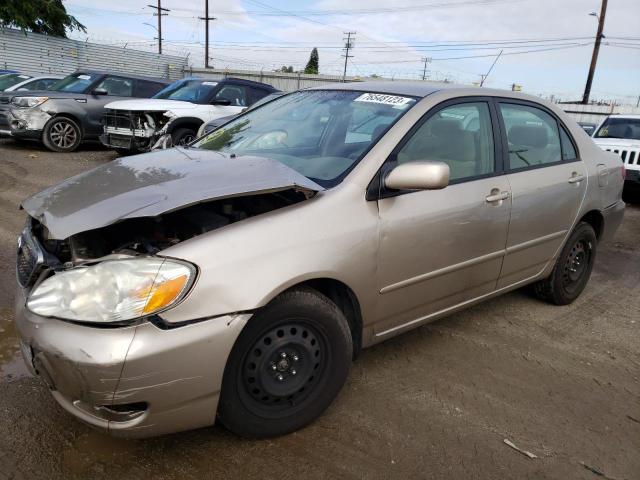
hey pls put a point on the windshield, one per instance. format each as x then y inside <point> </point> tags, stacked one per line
<point>321,134</point>
<point>11,79</point>
<point>195,91</point>
<point>75,83</point>
<point>620,128</point>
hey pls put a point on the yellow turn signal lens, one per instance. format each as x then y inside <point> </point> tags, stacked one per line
<point>165,293</point>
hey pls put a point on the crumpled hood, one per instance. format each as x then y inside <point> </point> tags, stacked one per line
<point>151,105</point>
<point>155,183</point>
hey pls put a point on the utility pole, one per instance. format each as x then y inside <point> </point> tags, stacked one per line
<point>206,19</point>
<point>159,14</point>
<point>484,77</point>
<point>348,45</point>
<point>426,60</point>
<point>596,50</point>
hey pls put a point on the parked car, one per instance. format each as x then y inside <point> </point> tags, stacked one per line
<point>42,82</point>
<point>620,134</point>
<point>213,124</point>
<point>4,71</point>
<point>174,115</point>
<point>588,127</point>
<point>71,111</point>
<point>235,279</point>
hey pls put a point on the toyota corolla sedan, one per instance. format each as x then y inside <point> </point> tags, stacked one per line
<point>235,279</point>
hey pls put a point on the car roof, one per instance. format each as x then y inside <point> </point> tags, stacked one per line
<point>122,74</point>
<point>233,79</point>
<point>631,116</point>
<point>420,89</point>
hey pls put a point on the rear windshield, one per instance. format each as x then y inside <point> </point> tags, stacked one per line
<point>11,79</point>
<point>612,127</point>
<point>75,83</point>
<point>195,91</point>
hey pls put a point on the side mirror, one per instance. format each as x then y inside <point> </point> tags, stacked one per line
<point>100,91</point>
<point>221,101</point>
<point>418,176</point>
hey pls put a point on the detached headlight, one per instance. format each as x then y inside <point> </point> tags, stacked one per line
<point>113,291</point>
<point>28,102</point>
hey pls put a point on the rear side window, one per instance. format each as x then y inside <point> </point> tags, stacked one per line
<point>117,86</point>
<point>258,94</point>
<point>147,89</point>
<point>532,135</point>
<point>42,84</point>
<point>460,135</point>
<point>568,150</point>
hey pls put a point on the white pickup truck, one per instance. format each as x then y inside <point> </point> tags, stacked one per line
<point>620,134</point>
<point>174,115</point>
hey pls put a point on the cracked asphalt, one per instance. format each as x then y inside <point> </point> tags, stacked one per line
<point>560,382</point>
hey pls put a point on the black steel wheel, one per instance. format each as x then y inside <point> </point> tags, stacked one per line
<point>287,366</point>
<point>62,134</point>
<point>572,269</point>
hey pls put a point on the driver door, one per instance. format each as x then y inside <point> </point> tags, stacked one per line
<point>117,88</point>
<point>441,248</point>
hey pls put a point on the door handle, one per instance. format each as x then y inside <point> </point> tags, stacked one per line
<point>576,178</point>
<point>496,197</point>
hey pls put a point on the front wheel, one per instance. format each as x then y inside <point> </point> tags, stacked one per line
<point>286,367</point>
<point>182,136</point>
<point>61,134</point>
<point>572,269</point>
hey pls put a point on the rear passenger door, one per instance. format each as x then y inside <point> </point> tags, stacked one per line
<point>548,183</point>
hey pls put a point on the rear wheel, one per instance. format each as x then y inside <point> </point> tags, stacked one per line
<point>61,134</point>
<point>572,269</point>
<point>183,136</point>
<point>287,365</point>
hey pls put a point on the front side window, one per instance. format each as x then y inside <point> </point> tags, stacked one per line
<point>310,131</point>
<point>194,91</point>
<point>236,95</point>
<point>613,127</point>
<point>75,83</point>
<point>460,136</point>
<point>117,86</point>
<point>532,135</point>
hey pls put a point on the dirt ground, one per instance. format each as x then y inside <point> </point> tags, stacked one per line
<point>437,402</point>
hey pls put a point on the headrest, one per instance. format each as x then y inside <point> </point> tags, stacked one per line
<point>445,126</point>
<point>534,136</point>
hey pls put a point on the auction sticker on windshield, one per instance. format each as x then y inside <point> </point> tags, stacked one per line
<point>384,99</point>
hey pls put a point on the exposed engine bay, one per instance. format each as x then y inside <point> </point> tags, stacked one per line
<point>134,129</point>
<point>149,235</point>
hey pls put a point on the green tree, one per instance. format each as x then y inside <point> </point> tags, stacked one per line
<point>39,16</point>
<point>313,63</point>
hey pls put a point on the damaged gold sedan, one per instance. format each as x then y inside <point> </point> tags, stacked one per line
<point>236,278</point>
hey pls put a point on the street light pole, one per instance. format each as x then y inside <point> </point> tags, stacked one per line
<point>596,50</point>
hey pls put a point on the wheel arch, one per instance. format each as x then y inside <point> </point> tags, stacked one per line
<point>185,122</point>
<point>342,295</point>
<point>596,220</point>
<point>70,116</point>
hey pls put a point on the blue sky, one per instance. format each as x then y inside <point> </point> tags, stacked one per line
<point>393,37</point>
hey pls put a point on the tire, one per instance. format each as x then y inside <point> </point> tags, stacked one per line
<point>572,269</point>
<point>182,136</point>
<point>286,367</point>
<point>62,134</point>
